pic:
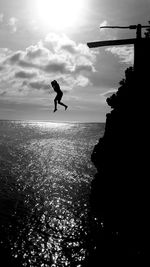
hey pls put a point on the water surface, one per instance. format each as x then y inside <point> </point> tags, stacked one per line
<point>45,176</point>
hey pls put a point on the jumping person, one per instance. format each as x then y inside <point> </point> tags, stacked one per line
<point>59,95</point>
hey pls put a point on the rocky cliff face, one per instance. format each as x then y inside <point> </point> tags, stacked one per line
<point>120,189</point>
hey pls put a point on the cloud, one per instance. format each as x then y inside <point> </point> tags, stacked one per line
<point>55,57</point>
<point>125,53</point>
<point>37,51</point>
<point>51,56</point>
<point>10,24</point>
<point>56,67</point>
<point>1,17</point>
<point>3,93</point>
<point>4,53</point>
<point>61,44</point>
<point>14,58</point>
<point>84,67</point>
<point>39,85</point>
<point>82,81</point>
<point>1,68</point>
<point>25,75</point>
<point>13,24</point>
<point>109,93</point>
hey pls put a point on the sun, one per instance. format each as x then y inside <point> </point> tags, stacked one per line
<point>60,14</point>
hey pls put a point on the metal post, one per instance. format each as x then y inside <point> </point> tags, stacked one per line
<point>139,31</point>
<point>141,45</point>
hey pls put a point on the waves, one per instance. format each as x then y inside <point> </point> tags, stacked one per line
<point>45,177</point>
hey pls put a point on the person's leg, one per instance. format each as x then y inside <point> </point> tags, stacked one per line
<point>62,104</point>
<point>55,104</point>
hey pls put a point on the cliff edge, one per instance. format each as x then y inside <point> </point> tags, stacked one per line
<point>120,189</point>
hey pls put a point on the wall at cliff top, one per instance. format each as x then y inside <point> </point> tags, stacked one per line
<point>120,189</point>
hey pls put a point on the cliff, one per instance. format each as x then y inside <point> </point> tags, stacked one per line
<point>120,189</point>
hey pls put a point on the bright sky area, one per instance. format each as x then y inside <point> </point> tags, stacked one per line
<point>43,40</point>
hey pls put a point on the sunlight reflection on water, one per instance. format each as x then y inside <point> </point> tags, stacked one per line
<point>49,125</point>
<point>52,170</point>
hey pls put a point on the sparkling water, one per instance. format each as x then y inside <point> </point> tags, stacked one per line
<point>45,176</point>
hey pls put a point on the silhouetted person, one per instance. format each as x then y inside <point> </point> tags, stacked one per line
<point>59,95</point>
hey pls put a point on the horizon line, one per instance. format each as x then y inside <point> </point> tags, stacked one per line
<point>51,121</point>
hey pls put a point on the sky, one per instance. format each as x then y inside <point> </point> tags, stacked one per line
<point>43,40</point>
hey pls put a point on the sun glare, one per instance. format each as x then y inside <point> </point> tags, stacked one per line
<point>59,14</point>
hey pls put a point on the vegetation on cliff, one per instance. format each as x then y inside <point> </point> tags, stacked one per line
<point>120,189</point>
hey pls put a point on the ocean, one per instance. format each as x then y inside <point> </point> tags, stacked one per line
<point>45,177</point>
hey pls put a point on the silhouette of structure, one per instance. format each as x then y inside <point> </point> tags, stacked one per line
<point>120,224</point>
<point>141,45</point>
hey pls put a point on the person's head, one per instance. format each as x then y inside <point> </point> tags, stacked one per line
<point>53,83</point>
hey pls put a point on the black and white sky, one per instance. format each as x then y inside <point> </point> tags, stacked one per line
<point>42,40</point>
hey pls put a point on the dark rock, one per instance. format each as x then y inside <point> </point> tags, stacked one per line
<point>120,189</point>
